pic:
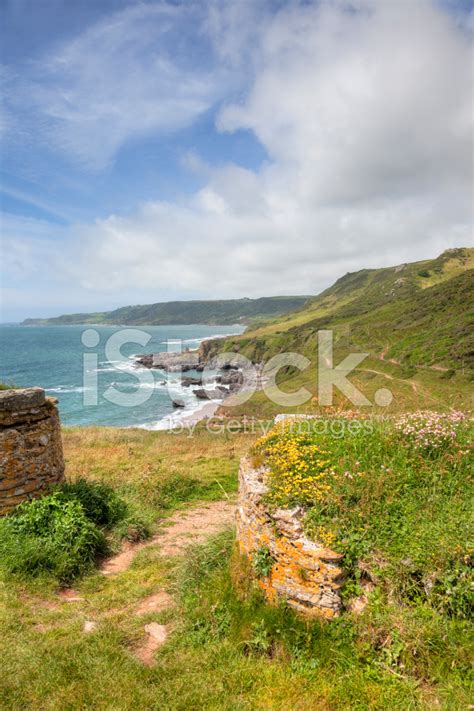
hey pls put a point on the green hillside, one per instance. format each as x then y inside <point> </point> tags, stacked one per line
<point>183,312</point>
<point>414,320</point>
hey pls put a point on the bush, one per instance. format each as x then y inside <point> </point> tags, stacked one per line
<point>52,534</point>
<point>63,533</point>
<point>100,502</point>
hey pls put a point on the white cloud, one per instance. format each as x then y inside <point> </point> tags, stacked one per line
<point>132,74</point>
<point>360,105</point>
<point>366,117</point>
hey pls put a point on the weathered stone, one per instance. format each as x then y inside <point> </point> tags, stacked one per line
<point>17,400</point>
<point>210,393</point>
<point>305,573</point>
<point>31,455</point>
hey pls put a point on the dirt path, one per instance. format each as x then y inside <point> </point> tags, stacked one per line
<point>183,529</point>
<point>414,386</point>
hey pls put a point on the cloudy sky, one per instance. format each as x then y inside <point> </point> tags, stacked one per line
<point>212,149</point>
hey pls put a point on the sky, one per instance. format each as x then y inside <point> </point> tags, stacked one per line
<point>153,151</point>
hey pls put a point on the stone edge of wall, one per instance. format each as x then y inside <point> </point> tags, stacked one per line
<point>31,454</point>
<point>305,573</point>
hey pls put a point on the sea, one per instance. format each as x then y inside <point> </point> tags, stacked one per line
<point>91,370</point>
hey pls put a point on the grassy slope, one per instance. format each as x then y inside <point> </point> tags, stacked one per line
<point>415,321</point>
<point>184,312</point>
<point>228,651</point>
<point>359,293</point>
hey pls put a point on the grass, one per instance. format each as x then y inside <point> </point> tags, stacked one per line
<point>227,650</point>
<point>389,658</point>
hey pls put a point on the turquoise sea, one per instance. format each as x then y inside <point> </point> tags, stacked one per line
<point>52,357</point>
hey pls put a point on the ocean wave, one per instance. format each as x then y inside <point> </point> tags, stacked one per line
<point>200,339</point>
<point>67,389</point>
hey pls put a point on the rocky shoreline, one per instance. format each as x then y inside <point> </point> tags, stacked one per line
<point>228,380</point>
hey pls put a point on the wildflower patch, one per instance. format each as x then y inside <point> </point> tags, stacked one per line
<point>384,504</point>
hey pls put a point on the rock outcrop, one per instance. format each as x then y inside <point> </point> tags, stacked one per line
<point>170,362</point>
<point>305,573</point>
<point>31,453</point>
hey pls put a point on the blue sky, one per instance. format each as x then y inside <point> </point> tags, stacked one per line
<point>42,178</point>
<point>162,150</point>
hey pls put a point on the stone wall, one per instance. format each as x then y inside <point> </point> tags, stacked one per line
<point>306,574</point>
<point>31,453</point>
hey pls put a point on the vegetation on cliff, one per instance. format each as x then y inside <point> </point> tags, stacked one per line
<point>218,312</point>
<point>418,314</point>
<point>415,322</point>
<point>391,494</point>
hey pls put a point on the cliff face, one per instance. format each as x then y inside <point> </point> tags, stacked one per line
<point>31,453</point>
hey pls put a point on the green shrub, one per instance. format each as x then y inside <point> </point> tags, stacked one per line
<point>51,534</point>
<point>64,533</point>
<point>100,502</point>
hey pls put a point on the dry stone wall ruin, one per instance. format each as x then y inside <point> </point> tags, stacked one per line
<point>306,574</point>
<point>31,453</point>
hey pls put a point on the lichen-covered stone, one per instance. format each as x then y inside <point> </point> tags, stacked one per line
<point>31,453</point>
<point>305,573</point>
